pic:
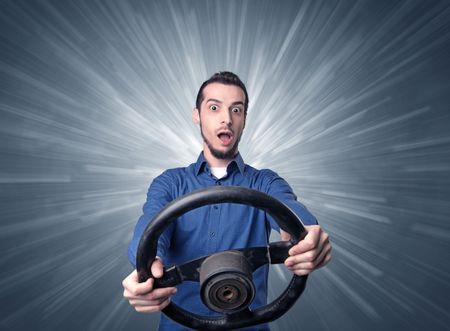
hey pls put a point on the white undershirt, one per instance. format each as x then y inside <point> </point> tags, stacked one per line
<point>219,172</point>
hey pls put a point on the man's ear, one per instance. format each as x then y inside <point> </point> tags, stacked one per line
<point>195,115</point>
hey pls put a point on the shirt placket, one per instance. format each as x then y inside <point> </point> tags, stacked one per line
<point>214,224</point>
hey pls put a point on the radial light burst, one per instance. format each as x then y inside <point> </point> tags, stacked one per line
<point>349,101</point>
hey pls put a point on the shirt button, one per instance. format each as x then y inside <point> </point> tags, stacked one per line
<point>212,234</point>
<point>219,183</point>
<point>216,207</point>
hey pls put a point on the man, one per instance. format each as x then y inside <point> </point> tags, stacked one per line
<point>220,111</point>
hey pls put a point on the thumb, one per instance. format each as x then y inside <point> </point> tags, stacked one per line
<point>157,268</point>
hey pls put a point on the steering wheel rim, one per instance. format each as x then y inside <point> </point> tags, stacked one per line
<point>283,215</point>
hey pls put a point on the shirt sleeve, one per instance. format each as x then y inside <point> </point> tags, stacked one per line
<point>279,189</point>
<point>159,194</point>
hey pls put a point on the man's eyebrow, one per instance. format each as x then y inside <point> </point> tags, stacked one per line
<point>214,100</point>
<point>237,103</point>
<point>218,101</point>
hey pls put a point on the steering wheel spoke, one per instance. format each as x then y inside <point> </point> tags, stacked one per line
<point>279,251</point>
<point>275,253</point>
<point>175,275</point>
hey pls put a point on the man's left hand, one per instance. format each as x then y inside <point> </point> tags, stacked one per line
<point>311,253</point>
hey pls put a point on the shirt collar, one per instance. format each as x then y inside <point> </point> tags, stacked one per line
<point>201,163</point>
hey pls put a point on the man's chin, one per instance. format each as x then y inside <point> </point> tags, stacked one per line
<point>224,154</point>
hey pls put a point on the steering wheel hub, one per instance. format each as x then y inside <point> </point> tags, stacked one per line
<point>226,282</point>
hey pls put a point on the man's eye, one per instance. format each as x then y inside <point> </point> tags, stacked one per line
<point>213,107</point>
<point>236,110</point>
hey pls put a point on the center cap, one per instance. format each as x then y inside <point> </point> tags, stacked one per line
<point>226,284</point>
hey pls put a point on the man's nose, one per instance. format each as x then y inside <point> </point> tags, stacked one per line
<point>226,117</point>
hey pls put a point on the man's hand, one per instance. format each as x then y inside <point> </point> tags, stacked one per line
<point>142,296</point>
<point>309,254</point>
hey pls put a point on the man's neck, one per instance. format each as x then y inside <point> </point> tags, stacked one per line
<point>213,161</point>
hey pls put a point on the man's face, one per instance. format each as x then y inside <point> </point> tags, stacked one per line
<point>221,118</point>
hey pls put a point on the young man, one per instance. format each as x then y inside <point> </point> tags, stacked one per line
<point>220,111</point>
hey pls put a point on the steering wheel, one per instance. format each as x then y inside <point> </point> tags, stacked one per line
<point>225,277</point>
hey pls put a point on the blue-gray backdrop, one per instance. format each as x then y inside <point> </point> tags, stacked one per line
<point>349,101</point>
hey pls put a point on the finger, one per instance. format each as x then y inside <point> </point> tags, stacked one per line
<point>284,235</point>
<point>132,286</point>
<point>302,258</point>
<point>152,309</point>
<point>302,272</point>
<point>309,242</point>
<point>315,264</point>
<point>157,268</point>
<point>147,303</point>
<point>156,294</point>
<point>310,255</point>
<point>325,260</point>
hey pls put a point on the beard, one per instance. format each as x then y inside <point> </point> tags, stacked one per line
<point>225,155</point>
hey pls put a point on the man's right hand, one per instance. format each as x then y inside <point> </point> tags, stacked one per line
<point>142,296</point>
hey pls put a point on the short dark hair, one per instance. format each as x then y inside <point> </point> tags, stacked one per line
<point>226,78</point>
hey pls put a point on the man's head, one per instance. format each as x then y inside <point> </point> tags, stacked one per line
<point>225,78</point>
<point>220,111</point>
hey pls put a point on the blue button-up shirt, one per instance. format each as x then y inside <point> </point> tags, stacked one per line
<point>213,228</point>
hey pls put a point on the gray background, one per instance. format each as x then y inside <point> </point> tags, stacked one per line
<point>349,101</point>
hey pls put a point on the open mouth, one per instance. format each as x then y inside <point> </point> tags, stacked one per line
<point>226,137</point>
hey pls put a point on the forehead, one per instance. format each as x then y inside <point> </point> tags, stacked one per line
<point>224,93</point>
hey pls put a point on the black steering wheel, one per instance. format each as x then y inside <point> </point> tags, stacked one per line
<point>225,277</point>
